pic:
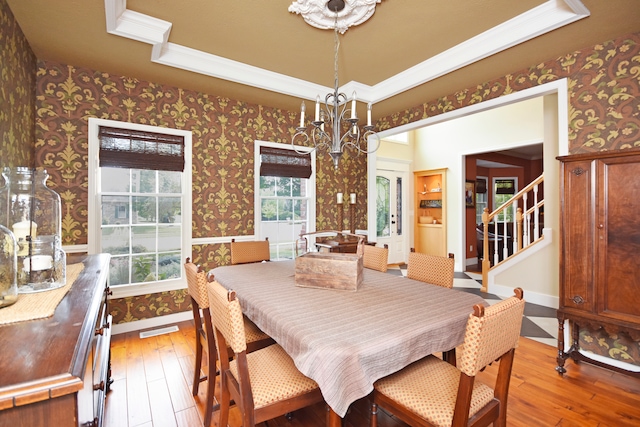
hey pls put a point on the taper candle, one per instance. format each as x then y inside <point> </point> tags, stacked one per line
<point>339,197</point>
<point>352,198</point>
<point>353,105</point>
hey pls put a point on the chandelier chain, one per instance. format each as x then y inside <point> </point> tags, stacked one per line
<point>336,45</point>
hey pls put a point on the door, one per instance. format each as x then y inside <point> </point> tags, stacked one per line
<point>391,227</point>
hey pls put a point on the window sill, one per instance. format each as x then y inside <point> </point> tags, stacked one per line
<point>124,291</point>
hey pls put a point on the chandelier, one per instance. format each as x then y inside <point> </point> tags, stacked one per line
<point>341,121</point>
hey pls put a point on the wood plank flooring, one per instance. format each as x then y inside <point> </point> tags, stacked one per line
<point>152,388</point>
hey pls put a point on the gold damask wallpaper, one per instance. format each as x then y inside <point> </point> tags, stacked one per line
<point>617,345</point>
<point>604,115</point>
<point>224,131</point>
<point>17,93</point>
<point>604,94</point>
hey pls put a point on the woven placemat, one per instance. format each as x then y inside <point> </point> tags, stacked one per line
<point>40,304</point>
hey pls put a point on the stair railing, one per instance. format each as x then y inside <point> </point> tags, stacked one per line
<point>526,227</point>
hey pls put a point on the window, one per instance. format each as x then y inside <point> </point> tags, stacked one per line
<point>140,204</point>
<point>503,190</point>
<point>482,198</point>
<point>383,214</point>
<point>388,206</point>
<point>121,211</point>
<point>285,199</point>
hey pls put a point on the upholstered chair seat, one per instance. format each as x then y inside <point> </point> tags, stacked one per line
<point>276,384</point>
<point>433,392</point>
<point>410,387</point>
<point>263,384</point>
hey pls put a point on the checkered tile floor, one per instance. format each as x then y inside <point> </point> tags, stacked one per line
<point>539,323</point>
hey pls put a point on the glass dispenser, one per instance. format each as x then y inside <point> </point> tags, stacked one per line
<point>8,265</point>
<point>32,211</point>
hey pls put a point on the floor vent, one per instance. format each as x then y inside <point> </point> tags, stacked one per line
<point>160,331</point>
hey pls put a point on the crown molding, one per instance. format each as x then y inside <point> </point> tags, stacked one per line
<point>542,19</point>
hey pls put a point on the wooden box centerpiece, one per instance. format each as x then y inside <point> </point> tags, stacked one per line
<point>330,270</point>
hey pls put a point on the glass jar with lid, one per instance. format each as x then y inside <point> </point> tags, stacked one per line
<point>32,212</point>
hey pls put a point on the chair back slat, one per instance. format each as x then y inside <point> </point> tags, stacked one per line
<point>252,251</point>
<point>491,335</point>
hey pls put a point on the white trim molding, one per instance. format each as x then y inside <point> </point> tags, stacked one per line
<point>154,322</point>
<point>549,16</point>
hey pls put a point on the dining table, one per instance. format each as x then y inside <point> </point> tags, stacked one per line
<point>345,340</point>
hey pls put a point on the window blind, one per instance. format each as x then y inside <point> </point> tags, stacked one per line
<point>126,148</point>
<point>481,186</point>
<point>505,186</point>
<point>287,163</point>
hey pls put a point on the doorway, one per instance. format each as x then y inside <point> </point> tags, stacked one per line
<point>391,189</point>
<point>452,156</point>
<point>391,227</point>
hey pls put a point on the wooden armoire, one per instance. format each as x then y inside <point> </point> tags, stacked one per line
<point>600,249</point>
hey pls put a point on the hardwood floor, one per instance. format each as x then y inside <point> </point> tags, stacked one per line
<point>152,387</point>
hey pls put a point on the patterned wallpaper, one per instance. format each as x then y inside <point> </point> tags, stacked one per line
<point>224,131</point>
<point>604,115</point>
<point>17,93</point>
<point>604,94</point>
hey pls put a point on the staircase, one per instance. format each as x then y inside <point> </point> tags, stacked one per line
<point>512,228</point>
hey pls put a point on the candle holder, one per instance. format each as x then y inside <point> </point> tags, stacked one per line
<point>352,218</point>
<point>340,207</point>
<point>32,211</point>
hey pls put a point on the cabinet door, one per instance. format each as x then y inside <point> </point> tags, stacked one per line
<point>431,241</point>
<point>578,214</point>
<point>618,235</point>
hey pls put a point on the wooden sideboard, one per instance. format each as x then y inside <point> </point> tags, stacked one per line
<point>340,243</point>
<point>56,371</point>
<point>600,240</point>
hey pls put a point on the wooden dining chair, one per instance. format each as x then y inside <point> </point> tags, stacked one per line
<point>250,251</point>
<point>264,384</point>
<point>376,257</point>
<point>432,392</point>
<point>197,286</point>
<point>434,269</point>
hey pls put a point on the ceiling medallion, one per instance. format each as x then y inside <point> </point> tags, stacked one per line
<point>317,14</point>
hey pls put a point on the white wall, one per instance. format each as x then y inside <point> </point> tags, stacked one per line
<point>445,145</point>
<point>540,274</point>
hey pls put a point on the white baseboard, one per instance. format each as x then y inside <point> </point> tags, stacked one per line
<point>154,322</point>
<point>529,296</point>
